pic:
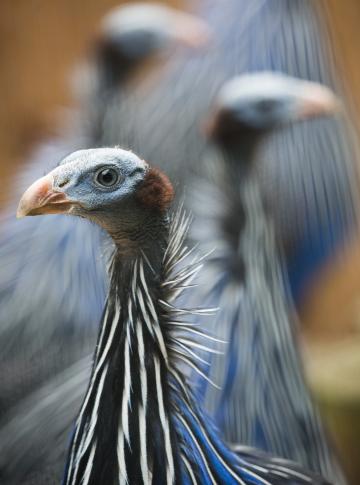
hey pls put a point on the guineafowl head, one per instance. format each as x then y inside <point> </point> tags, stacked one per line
<point>109,186</point>
<point>136,31</point>
<point>261,102</point>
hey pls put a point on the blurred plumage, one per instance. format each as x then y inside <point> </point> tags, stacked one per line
<point>264,400</point>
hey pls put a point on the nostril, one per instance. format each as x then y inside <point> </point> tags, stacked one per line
<point>63,182</point>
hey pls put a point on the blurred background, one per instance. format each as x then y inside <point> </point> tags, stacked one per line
<point>40,44</point>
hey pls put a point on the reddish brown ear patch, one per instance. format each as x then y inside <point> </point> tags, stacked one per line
<point>156,191</point>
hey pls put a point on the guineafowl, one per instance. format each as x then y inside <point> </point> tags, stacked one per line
<point>139,421</point>
<point>245,279</point>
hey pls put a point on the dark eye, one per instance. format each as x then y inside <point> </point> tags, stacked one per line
<point>107,177</point>
<point>266,105</point>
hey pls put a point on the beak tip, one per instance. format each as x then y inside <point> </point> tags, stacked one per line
<point>193,32</point>
<point>337,106</point>
<point>35,197</point>
<point>320,101</point>
<point>21,212</point>
<point>331,103</point>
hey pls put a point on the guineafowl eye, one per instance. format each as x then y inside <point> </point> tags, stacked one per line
<point>107,177</point>
<point>267,105</point>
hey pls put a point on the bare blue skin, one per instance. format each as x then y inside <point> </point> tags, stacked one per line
<point>76,176</point>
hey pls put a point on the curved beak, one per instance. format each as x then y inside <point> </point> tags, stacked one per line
<point>316,100</point>
<point>41,198</point>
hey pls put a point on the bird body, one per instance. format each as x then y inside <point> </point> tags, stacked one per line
<point>244,277</point>
<point>139,421</point>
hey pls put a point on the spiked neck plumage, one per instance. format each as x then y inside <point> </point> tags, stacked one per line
<point>139,422</point>
<point>126,387</point>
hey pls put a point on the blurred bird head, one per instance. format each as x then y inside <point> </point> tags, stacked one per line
<point>110,186</point>
<point>134,32</point>
<point>261,102</point>
<point>139,29</point>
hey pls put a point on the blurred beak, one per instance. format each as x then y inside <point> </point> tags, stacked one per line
<point>316,100</point>
<point>190,31</point>
<point>41,198</point>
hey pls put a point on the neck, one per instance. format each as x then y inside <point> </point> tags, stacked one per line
<point>112,72</point>
<point>123,428</point>
<point>269,322</point>
<point>240,155</point>
<point>139,419</point>
<point>243,199</point>
<point>114,67</point>
<point>147,237</point>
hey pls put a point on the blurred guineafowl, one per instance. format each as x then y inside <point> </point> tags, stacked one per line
<point>139,421</point>
<point>53,324</point>
<point>279,35</point>
<point>244,278</point>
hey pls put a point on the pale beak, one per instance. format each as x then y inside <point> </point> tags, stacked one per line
<point>41,198</point>
<point>316,100</point>
<point>190,31</point>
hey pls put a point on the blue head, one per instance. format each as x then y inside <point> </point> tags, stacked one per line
<point>109,186</point>
<point>261,102</point>
<point>139,30</point>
